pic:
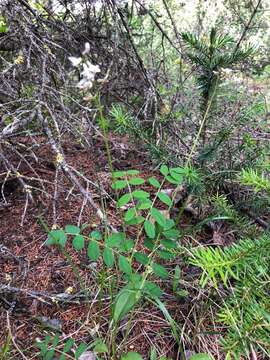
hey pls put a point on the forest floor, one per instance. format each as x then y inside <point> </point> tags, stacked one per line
<point>33,275</point>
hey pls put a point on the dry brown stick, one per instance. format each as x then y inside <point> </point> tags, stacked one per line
<point>17,124</point>
<point>55,195</point>
<point>25,207</point>
<point>247,27</point>
<point>173,23</point>
<point>7,174</point>
<point>89,182</point>
<point>158,26</point>
<point>61,162</point>
<point>65,297</point>
<point>39,294</point>
<point>8,253</point>
<point>82,208</point>
<point>256,219</point>
<point>24,159</point>
<point>12,338</point>
<point>9,167</point>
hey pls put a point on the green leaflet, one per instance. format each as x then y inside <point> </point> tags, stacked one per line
<point>95,235</point>
<point>154,182</point>
<point>159,217</point>
<point>140,194</point>
<point>124,199</point>
<point>78,242</point>
<point>130,214</point>
<point>72,230</point>
<point>119,184</point>
<point>125,301</point>
<point>141,258</point>
<point>164,198</point>
<point>149,229</point>
<point>160,271</point>
<point>100,347</point>
<point>124,265</point>
<point>108,257</point>
<point>131,356</point>
<point>57,237</point>
<point>201,356</point>
<point>136,181</point>
<point>93,250</point>
<point>164,170</point>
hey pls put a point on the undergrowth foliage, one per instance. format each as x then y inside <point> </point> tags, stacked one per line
<point>117,249</point>
<point>85,72</point>
<point>242,269</point>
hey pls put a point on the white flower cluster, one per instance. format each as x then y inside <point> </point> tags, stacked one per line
<point>89,70</point>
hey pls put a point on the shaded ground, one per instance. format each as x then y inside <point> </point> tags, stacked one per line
<point>34,273</point>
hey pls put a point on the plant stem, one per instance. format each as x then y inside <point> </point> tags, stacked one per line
<point>202,127</point>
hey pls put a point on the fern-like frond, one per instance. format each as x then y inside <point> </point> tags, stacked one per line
<point>194,43</point>
<point>198,59</point>
<point>248,326</point>
<point>242,54</point>
<point>223,40</point>
<point>251,177</point>
<point>220,51</point>
<point>246,310</point>
<point>231,261</point>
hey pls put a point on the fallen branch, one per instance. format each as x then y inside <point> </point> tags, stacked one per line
<point>13,339</point>
<point>62,164</point>
<point>64,297</point>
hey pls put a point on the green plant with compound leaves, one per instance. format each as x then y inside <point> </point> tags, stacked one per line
<point>116,250</point>
<point>53,347</point>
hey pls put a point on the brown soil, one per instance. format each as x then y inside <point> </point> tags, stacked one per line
<point>29,266</point>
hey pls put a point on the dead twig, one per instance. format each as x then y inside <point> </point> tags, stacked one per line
<point>62,164</point>
<point>13,339</point>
